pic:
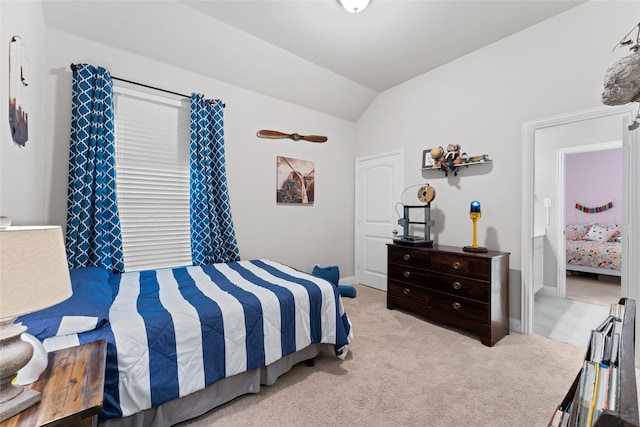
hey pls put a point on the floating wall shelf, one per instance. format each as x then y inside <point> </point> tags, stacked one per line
<point>454,169</point>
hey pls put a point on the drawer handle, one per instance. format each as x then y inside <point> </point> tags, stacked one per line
<point>407,291</point>
<point>407,274</point>
<point>457,265</point>
<point>456,306</point>
<point>406,257</point>
<point>456,285</point>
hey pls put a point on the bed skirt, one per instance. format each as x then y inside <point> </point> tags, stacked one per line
<point>223,391</point>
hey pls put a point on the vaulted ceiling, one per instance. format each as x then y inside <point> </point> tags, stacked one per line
<point>309,52</point>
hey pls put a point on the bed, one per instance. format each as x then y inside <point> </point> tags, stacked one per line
<point>594,248</point>
<point>181,341</point>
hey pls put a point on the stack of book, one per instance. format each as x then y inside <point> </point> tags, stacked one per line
<point>598,382</point>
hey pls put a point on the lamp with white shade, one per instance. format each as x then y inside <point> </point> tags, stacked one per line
<point>354,6</point>
<point>33,275</point>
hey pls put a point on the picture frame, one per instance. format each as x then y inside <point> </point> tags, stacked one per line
<point>18,117</point>
<point>427,160</point>
<point>295,181</point>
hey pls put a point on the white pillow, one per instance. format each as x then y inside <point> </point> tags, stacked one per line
<point>599,234</point>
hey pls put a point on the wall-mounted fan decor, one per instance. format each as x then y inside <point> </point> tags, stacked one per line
<point>272,134</point>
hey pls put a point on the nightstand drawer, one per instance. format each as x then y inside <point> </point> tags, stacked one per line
<point>406,292</point>
<point>479,268</point>
<point>407,256</point>
<point>460,308</point>
<point>461,286</point>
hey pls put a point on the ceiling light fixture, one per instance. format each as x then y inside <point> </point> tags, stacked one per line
<point>354,6</point>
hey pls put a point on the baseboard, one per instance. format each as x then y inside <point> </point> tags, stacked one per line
<point>515,325</point>
<point>549,291</point>
<point>347,280</point>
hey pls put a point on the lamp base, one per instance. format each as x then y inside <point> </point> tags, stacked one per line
<point>14,354</point>
<point>22,401</point>
<point>475,249</point>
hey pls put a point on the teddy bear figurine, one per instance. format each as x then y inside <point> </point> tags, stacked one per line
<point>453,154</point>
<point>452,157</point>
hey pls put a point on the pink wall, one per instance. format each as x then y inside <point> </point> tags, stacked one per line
<point>593,179</point>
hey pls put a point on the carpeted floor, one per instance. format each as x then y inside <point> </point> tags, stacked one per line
<point>588,288</point>
<point>403,371</point>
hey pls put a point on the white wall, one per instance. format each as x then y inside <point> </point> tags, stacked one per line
<point>23,170</point>
<point>300,236</point>
<point>593,178</point>
<point>481,101</point>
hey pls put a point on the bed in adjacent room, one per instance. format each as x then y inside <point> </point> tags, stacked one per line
<point>594,248</point>
<point>181,341</point>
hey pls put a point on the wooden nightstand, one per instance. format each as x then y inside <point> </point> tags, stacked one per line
<point>71,388</point>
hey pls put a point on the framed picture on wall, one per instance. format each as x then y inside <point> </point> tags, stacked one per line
<point>427,160</point>
<point>295,181</point>
<point>18,120</point>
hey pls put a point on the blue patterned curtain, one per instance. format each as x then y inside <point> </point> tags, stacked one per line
<point>93,226</point>
<point>212,236</point>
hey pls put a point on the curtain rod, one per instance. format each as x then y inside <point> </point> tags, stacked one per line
<point>74,67</point>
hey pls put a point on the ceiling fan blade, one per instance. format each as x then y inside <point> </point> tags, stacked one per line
<point>272,134</point>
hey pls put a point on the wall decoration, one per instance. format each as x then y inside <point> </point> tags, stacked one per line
<point>594,210</point>
<point>18,122</point>
<point>274,134</point>
<point>449,160</point>
<point>295,181</point>
<point>427,159</point>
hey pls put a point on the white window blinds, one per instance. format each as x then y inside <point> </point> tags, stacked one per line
<point>152,179</point>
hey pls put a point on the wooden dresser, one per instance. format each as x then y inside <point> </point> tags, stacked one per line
<point>446,285</point>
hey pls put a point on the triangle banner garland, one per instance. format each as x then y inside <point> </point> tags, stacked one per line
<point>594,210</point>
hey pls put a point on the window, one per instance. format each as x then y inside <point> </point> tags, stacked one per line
<point>152,178</point>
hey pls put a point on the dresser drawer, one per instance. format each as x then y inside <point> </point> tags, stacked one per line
<point>478,290</point>
<point>461,265</point>
<point>407,292</point>
<point>460,308</point>
<point>407,256</point>
<point>408,274</point>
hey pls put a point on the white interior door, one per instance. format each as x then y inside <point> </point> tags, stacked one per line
<point>379,184</point>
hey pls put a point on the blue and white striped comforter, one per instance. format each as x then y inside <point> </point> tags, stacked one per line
<point>175,331</point>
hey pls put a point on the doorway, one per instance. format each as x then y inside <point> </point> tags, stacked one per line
<point>622,116</point>
<point>585,281</point>
<point>569,310</point>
